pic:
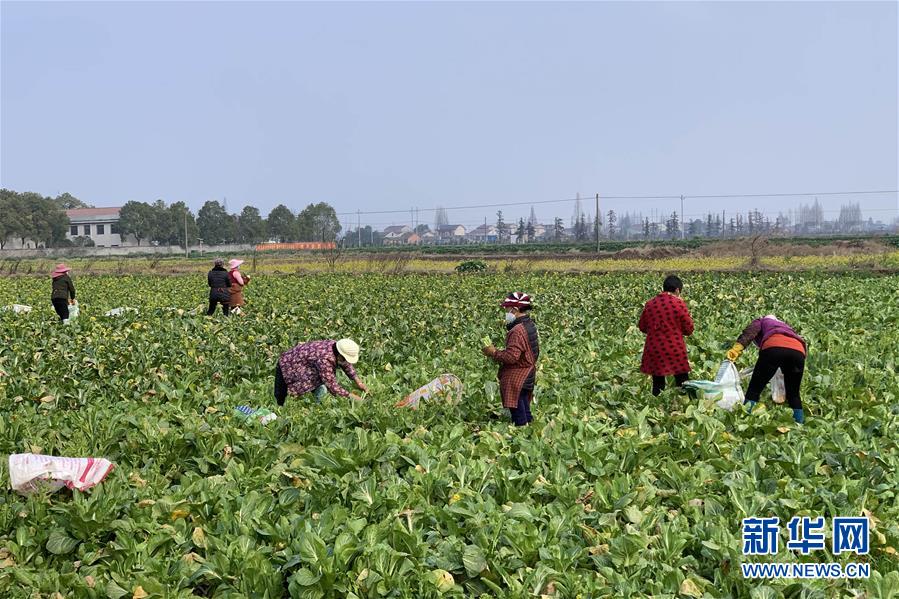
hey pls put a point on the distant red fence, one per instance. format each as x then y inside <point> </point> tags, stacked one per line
<point>303,245</point>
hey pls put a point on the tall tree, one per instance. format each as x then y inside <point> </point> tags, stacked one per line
<point>164,230</point>
<point>318,222</point>
<point>12,221</point>
<point>500,226</point>
<point>48,221</point>
<point>531,231</point>
<point>136,218</point>
<point>672,225</point>
<point>282,224</point>
<point>250,226</point>
<point>215,224</point>
<point>558,229</point>
<point>67,201</point>
<point>520,231</point>
<point>181,218</point>
<point>612,220</point>
<point>440,218</point>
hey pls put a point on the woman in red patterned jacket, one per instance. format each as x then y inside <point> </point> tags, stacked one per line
<point>518,362</point>
<point>665,321</point>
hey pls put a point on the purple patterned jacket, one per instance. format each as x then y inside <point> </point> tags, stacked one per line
<point>760,329</point>
<point>310,365</point>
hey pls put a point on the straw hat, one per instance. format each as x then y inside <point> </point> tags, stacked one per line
<point>60,270</point>
<point>349,349</point>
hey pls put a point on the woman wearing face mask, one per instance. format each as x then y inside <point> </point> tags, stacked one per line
<point>518,361</point>
<point>665,321</point>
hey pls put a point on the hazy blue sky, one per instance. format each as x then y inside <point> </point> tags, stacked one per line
<point>394,105</point>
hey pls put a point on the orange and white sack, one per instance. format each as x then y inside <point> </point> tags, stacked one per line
<point>446,387</point>
<point>30,471</point>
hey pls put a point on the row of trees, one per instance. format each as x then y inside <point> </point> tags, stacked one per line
<point>29,215</point>
<point>213,225</point>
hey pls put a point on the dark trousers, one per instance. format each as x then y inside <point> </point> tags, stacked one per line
<point>62,307</point>
<point>791,363</point>
<point>522,414</point>
<point>658,382</point>
<point>212,304</point>
<point>280,386</point>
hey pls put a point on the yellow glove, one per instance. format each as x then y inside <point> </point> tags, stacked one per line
<point>733,354</point>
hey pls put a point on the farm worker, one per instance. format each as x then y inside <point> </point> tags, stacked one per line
<point>518,361</point>
<point>312,366</point>
<point>219,284</point>
<point>63,291</point>
<point>238,282</point>
<point>779,347</point>
<point>665,321</point>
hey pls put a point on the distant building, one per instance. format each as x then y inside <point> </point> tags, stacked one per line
<point>393,235</point>
<point>483,234</point>
<point>101,225</point>
<point>450,233</point>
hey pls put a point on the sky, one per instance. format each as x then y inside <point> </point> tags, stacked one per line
<point>390,106</point>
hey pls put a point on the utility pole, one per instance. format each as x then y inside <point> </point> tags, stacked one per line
<point>186,248</point>
<point>596,223</point>
<point>359,226</point>
<point>683,230</point>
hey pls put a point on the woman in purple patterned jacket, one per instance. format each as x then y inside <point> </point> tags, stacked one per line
<point>312,366</point>
<point>779,347</point>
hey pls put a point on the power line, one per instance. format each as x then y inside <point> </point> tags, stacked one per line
<point>630,197</point>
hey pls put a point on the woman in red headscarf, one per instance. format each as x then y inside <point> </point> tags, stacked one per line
<point>518,361</point>
<point>63,294</point>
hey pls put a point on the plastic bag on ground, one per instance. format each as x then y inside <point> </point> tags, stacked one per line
<point>446,387</point>
<point>725,389</point>
<point>120,311</point>
<point>262,415</point>
<point>778,387</point>
<point>17,309</point>
<point>29,472</point>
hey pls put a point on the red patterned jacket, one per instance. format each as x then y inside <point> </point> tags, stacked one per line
<point>665,321</point>
<point>518,362</point>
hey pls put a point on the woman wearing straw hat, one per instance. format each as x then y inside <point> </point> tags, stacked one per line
<point>312,366</point>
<point>63,291</point>
<point>238,282</point>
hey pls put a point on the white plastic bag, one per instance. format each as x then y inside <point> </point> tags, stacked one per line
<point>120,311</point>
<point>778,388</point>
<point>17,309</point>
<point>73,313</point>
<point>30,471</point>
<point>725,389</point>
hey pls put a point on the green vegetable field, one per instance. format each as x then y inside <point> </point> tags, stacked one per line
<point>610,493</point>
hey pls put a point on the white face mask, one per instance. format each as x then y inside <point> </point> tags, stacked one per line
<point>510,317</point>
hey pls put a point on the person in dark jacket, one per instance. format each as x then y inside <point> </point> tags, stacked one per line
<point>219,283</point>
<point>518,361</point>
<point>779,347</point>
<point>63,294</point>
